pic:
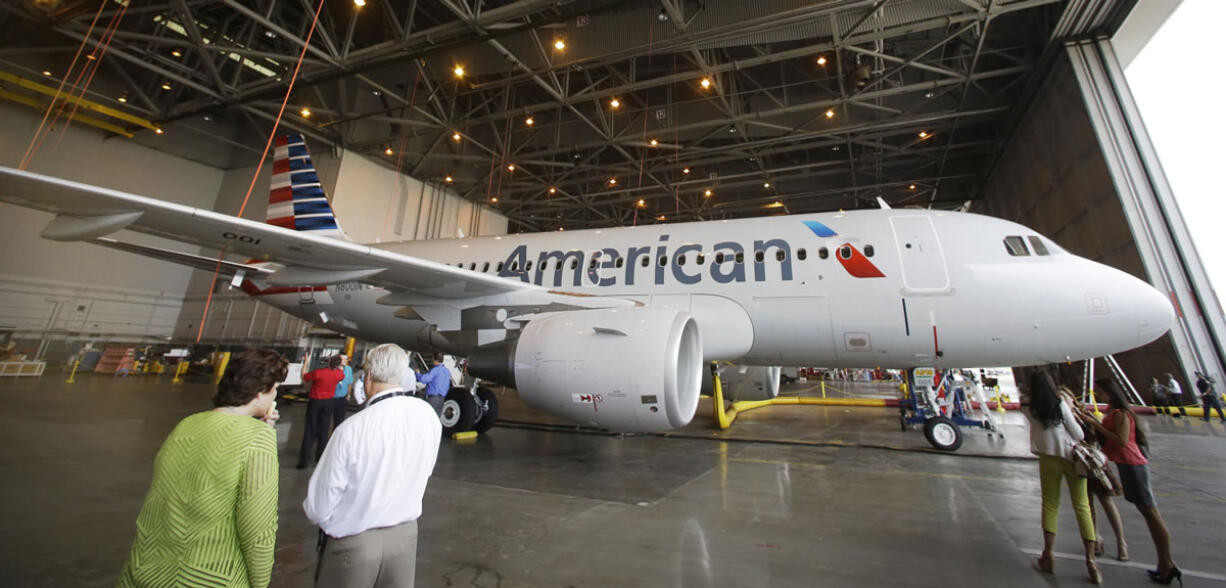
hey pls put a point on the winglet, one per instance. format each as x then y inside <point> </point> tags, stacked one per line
<point>296,198</point>
<point>882,203</point>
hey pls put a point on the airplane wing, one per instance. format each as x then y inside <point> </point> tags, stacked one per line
<point>87,213</point>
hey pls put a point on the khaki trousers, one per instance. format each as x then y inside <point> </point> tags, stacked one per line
<point>380,558</point>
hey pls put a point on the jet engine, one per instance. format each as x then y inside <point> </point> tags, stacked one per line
<point>744,382</point>
<point>626,369</point>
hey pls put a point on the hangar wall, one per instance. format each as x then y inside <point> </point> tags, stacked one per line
<point>1052,177</point>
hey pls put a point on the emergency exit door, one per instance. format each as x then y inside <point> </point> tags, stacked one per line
<point>919,250</point>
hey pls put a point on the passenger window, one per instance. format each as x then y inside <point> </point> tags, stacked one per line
<point>500,266</point>
<point>719,258</point>
<point>845,252</point>
<point>472,266</point>
<point>592,264</point>
<point>868,251</point>
<point>620,262</point>
<point>485,267</point>
<point>758,256</point>
<point>574,264</point>
<point>823,253</point>
<point>681,260</point>
<point>801,254</point>
<point>779,255</point>
<point>646,261</point>
<point>528,266</point>
<point>663,260</point>
<point>1038,246</point>
<point>1016,246</point>
<point>740,257</point>
<point>514,266</point>
<point>700,259</point>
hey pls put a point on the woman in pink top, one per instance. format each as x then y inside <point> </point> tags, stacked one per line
<point>1119,432</point>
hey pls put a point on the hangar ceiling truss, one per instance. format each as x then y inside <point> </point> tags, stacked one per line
<point>811,105</point>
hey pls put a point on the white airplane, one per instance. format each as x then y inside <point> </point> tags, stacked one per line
<point>612,327</point>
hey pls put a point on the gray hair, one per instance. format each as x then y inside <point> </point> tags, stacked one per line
<point>386,364</point>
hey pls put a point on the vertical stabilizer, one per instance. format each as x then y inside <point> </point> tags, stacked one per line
<point>296,200</point>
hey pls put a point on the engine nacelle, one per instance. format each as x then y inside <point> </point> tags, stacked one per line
<point>744,382</point>
<point>626,369</point>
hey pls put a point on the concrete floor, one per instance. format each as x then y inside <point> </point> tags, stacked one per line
<point>790,496</point>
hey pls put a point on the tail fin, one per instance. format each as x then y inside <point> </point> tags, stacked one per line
<point>296,200</point>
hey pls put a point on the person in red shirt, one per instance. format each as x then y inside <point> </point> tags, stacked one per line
<point>319,408</point>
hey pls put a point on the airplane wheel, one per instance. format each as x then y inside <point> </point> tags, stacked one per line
<point>459,411</point>
<point>487,403</point>
<point>943,433</point>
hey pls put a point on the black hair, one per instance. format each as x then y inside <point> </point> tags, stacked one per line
<point>334,362</point>
<point>437,357</point>
<point>248,374</point>
<point>1044,401</point>
<point>1115,396</point>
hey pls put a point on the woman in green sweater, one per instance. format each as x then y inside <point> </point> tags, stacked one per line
<point>210,518</point>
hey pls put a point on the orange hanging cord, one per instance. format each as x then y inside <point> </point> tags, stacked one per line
<point>267,145</point>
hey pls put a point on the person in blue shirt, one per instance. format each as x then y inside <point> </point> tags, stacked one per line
<point>340,401</point>
<point>437,381</point>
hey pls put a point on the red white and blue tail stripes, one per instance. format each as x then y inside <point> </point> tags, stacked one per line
<point>296,200</point>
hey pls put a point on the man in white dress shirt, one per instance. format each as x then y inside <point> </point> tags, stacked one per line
<point>366,492</point>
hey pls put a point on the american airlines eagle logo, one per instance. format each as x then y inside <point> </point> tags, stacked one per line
<point>850,257</point>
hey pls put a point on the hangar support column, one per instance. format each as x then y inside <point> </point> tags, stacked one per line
<point>1160,233</point>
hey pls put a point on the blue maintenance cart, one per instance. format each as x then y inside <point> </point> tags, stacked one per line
<point>942,404</point>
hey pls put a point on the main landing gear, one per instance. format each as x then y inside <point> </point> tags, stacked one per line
<point>469,409</point>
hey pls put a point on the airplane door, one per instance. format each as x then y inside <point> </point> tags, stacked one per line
<point>920,254</point>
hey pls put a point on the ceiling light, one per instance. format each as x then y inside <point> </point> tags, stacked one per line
<point>208,117</point>
<point>612,181</point>
<point>642,203</point>
<point>123,99</point>
<point>928,94</point>
<point>529,121</point>
<point>911,187</point>
<point>559,44</point>
<point>455,136</point>
<point>685,170</point>
<point>924,134</point>
<point>510,167</point>
<point>663,16</point>
<point>176,53</point>
<point>359,3</point>
<point>165,85</point>
<point>661,218</point>
<point>305,112</point>
<point>766,184</point>
<point>731,128</point>
<point>459,71</point>
<point>705,83</point>
<point>654,142</point>
<point>821,60</point>
<point>447,179</point>
<point>270,34</point>
<point>553,190</point>
<point>494,200</point>
<point>707,193</point>
<point>376,93</point>
<point>159,130</point>
<point>388,151</point>
<point>829,113</point>
<point>46,72</point>
<point>835,148</point>
<point>91,57</point>
<point>615,103</point>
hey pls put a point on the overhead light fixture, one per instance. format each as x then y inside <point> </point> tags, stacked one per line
<point>924,134</point>
<point>654,142</point>
<point>376,93</point>
<point>561,228</point>
<point>388,151</point>
<point>685,170</point>
<point>459,71</point>
<point>553,190</point>
<point>455,136</point>
<point>123,98</point>
<point>559,44</point>
<point>91,57</point>
<point>510,167</point>
<point>911,187</point>
<point>615,103</point>
<point>612,181</point>
<point>270,34</point>
<point>529,121</point>
<point>707,193</point>
<point>159,130</point>
<point>46,72</point>
<point>705,83</point>
<point>208,117</point>
<point>835,148</point>
<point>821,60</point>
<point>661,218</point>
<point>447,179</point>
<point>663,16</point>
<point>829,113</point>
<point>359,3</point>
<point>732,128</point>
<point>642,203</point>
<point>165,85</point>
<point>928,94</point>
<point>176,53</point>
<point>305,112</point>
<point>766,184</point>
<point>494,200</point>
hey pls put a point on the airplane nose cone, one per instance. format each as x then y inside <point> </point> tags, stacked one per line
<point>1155,314</point>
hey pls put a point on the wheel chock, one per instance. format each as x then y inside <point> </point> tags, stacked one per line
<point>464,435</point>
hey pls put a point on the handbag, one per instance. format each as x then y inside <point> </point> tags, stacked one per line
<point>1090,461</point>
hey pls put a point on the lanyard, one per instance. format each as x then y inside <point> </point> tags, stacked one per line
<point>386,396</point>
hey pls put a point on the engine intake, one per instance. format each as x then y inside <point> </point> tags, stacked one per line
<point>632,369</point>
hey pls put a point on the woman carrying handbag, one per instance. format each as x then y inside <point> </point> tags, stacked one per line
<point>1096,488</point>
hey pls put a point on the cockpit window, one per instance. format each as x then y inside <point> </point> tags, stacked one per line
<point>1016,246</point>
<point>1038,246</point>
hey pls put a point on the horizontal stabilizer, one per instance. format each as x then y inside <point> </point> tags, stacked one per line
<point>79,228</point>
<point>199,262</point>
<point>307,276</point>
